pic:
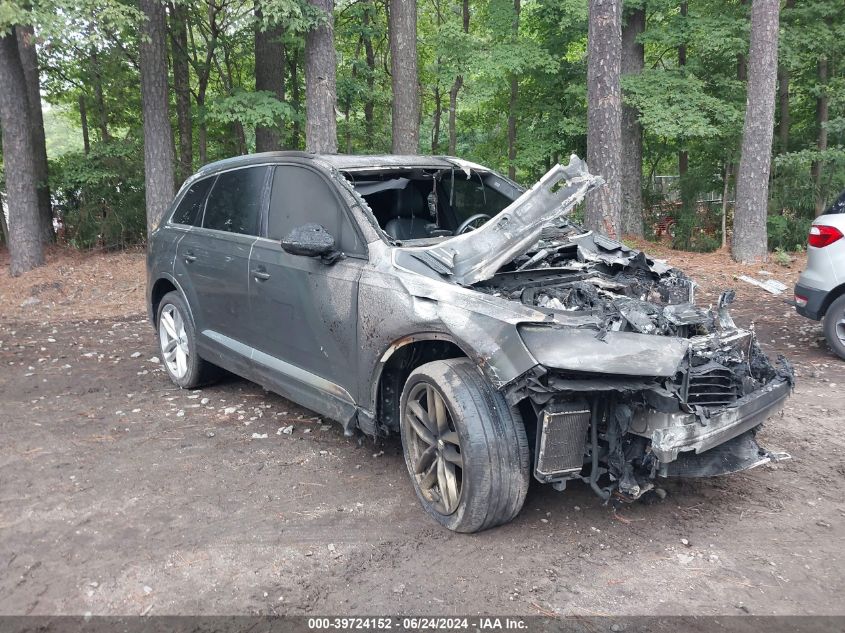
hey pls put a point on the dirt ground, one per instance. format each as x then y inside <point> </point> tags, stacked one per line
<point>120,494</point>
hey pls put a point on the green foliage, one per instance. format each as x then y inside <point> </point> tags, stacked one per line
<point>249,109</point>
<point>101,195</point>
<point>788,232</point>
<point>89,52</point>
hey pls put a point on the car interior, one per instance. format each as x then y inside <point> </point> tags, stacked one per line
<point>419,204</point>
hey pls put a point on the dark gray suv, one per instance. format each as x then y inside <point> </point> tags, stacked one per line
<point>432,297</point>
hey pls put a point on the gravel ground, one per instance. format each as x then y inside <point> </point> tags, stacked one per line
<point>120,494</point>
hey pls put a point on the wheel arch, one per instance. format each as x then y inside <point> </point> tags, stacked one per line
<point>163,285</point>
<point>397,362</point>
<point>830,297</point>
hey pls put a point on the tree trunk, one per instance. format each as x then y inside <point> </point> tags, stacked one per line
<point>182,88</point>
<point>29,63</point>
<point>269,75</point>
<point>783,95</point>
<point>99,99</point>
<point>453,108</point>
<point>821,141</point>
<point>514,98</point>
<point>783,99</point>
<point>370,56</point>
<point>158,137</point>
<point>320,84</point>
<point>403,69</point>
<point>83,122</point>
<point>435,126</point>
<point>752,182</point>
<point>296,131</point>
<point>633,62</point>
<point>683,155</point>
<point>456,88</point>
<point>26,250</point>
<point>604,115</point>
<point>725,191</point>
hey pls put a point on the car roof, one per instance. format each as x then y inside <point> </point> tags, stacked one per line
<point>342,162</point>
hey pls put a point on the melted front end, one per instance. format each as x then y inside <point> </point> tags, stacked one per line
<point>633,379</point>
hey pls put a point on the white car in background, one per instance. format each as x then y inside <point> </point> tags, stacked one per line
<point>820,291</point>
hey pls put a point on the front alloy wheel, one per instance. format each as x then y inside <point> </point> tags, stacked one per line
<point>434,448</point>
<point>464,446</point>
<point>173,340</point>
<point>177,343</point>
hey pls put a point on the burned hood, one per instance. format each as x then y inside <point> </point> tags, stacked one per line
<point>476,256</point>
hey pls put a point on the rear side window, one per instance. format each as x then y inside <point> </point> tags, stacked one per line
<point>189,210</point>
<point>234,204</point>
<point>838,206</point>
<point>300,196</point>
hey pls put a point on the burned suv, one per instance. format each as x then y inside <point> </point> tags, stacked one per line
<point>434,298</point>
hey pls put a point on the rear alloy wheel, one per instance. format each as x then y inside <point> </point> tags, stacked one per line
<point>177,343</point>
<point>465,448</point>
<point>834,326</point>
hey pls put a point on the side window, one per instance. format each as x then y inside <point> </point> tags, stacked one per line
<point>234,204</point>
<point>300,196</point>
<point>189,210</point>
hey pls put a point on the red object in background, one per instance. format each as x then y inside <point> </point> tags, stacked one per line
<point>822,235</point>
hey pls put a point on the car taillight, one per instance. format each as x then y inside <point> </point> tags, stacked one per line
<point>821,235</point>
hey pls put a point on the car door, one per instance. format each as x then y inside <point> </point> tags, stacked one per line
<point>304,311</point>
<point>213,261</point>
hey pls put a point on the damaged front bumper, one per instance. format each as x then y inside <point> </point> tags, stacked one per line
<point>679,432</point>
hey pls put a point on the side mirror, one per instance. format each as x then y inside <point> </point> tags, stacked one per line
<point>310,240</point>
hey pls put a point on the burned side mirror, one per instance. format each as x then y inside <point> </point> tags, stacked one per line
<point>310,240</point>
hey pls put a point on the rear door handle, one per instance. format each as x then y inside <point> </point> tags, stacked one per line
<point>260,274</point>
<point>190,257</point>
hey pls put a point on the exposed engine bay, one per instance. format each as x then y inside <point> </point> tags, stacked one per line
<point>576,272</point>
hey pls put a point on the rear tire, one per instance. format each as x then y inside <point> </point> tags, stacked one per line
<point>178,345</point>
<point>473,446</point>
<point>834,326</point>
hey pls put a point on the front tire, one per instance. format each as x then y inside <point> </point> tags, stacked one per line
<point>178,344</point>
<point>464,446</point>
<point>834,326</point>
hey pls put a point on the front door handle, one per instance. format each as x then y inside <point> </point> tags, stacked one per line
<point>190,257</point>
<point>260,274</point>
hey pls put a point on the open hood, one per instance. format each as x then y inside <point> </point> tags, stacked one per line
<point>478,255</point>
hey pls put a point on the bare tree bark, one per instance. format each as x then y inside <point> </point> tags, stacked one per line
<point>29,63</point>
<point>633,62</point>
<point>182,88</point>
<point>320,84</point>
<point>269,75</point>
<point>752,183</point>
<point>158,136</point>
<point>821,139</point>
<point>402,29</point>
<point>26,250</point>
<point>604,115</point>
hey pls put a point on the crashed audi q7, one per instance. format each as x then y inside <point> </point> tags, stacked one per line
<point>436,299</point>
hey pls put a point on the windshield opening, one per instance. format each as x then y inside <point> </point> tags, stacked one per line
<point>424,204</point>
